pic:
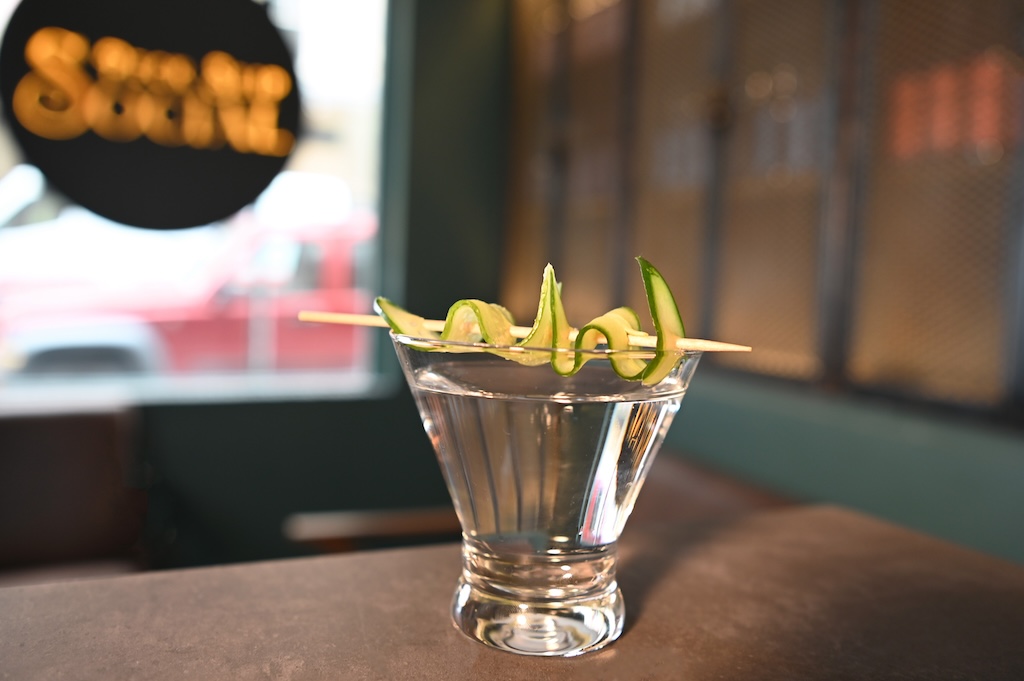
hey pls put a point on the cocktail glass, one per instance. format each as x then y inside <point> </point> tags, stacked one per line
<point>543,471</point>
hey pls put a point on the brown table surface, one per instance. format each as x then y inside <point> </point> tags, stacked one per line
<point>806,593</point>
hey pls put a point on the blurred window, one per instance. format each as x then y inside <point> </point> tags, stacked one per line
<point>177,309</point>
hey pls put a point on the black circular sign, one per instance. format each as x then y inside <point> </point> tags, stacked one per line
<point>153,113</point>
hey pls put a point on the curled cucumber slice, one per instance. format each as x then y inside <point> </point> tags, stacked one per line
<point>667,323</point>
<point>612,328</point>
<point>468,321</point>
<point>551,329</point>
<point>474,321</point>
<point>401,320</point>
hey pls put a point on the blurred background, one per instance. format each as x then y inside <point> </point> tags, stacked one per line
<point>836,183</point>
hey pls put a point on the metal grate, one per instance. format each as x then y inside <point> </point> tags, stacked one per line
<point>572,77</point>
<point>854,210</point>
<point>765,292</point>
<point>595,156</point>
<point>534,154</point>
<point>931,294</point>
<point>672,160</point>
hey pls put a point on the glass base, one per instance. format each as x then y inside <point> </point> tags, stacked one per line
<point>553,629</point>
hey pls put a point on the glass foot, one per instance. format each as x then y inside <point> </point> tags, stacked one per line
<point>554,629</point>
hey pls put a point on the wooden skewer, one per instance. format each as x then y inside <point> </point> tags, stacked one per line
<point>641,339</point>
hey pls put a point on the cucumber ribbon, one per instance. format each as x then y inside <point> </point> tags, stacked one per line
<point>475,321</point>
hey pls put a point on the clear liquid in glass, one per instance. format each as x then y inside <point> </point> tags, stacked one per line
<point>543,471</point>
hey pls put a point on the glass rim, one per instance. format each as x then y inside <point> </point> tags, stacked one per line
<point>410,340</point>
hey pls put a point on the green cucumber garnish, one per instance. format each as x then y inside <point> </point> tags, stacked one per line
<point>476,321</point>
<point>402,321</point>
<point>550,328</point>
<point>668,324</point>
<point>612,328</point>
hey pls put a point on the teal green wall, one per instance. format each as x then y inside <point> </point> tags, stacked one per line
<point>225,476</point>
<point>948,477</point>
<point>459,153</point>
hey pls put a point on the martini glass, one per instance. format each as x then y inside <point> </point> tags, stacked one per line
<point>543,471</point>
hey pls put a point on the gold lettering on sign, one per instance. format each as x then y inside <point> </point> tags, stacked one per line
<point>150,93</point>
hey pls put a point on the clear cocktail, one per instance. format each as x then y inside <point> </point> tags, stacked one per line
<point>543,470</point>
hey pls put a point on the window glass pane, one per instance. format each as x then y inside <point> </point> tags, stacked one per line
<point>94,310</point>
